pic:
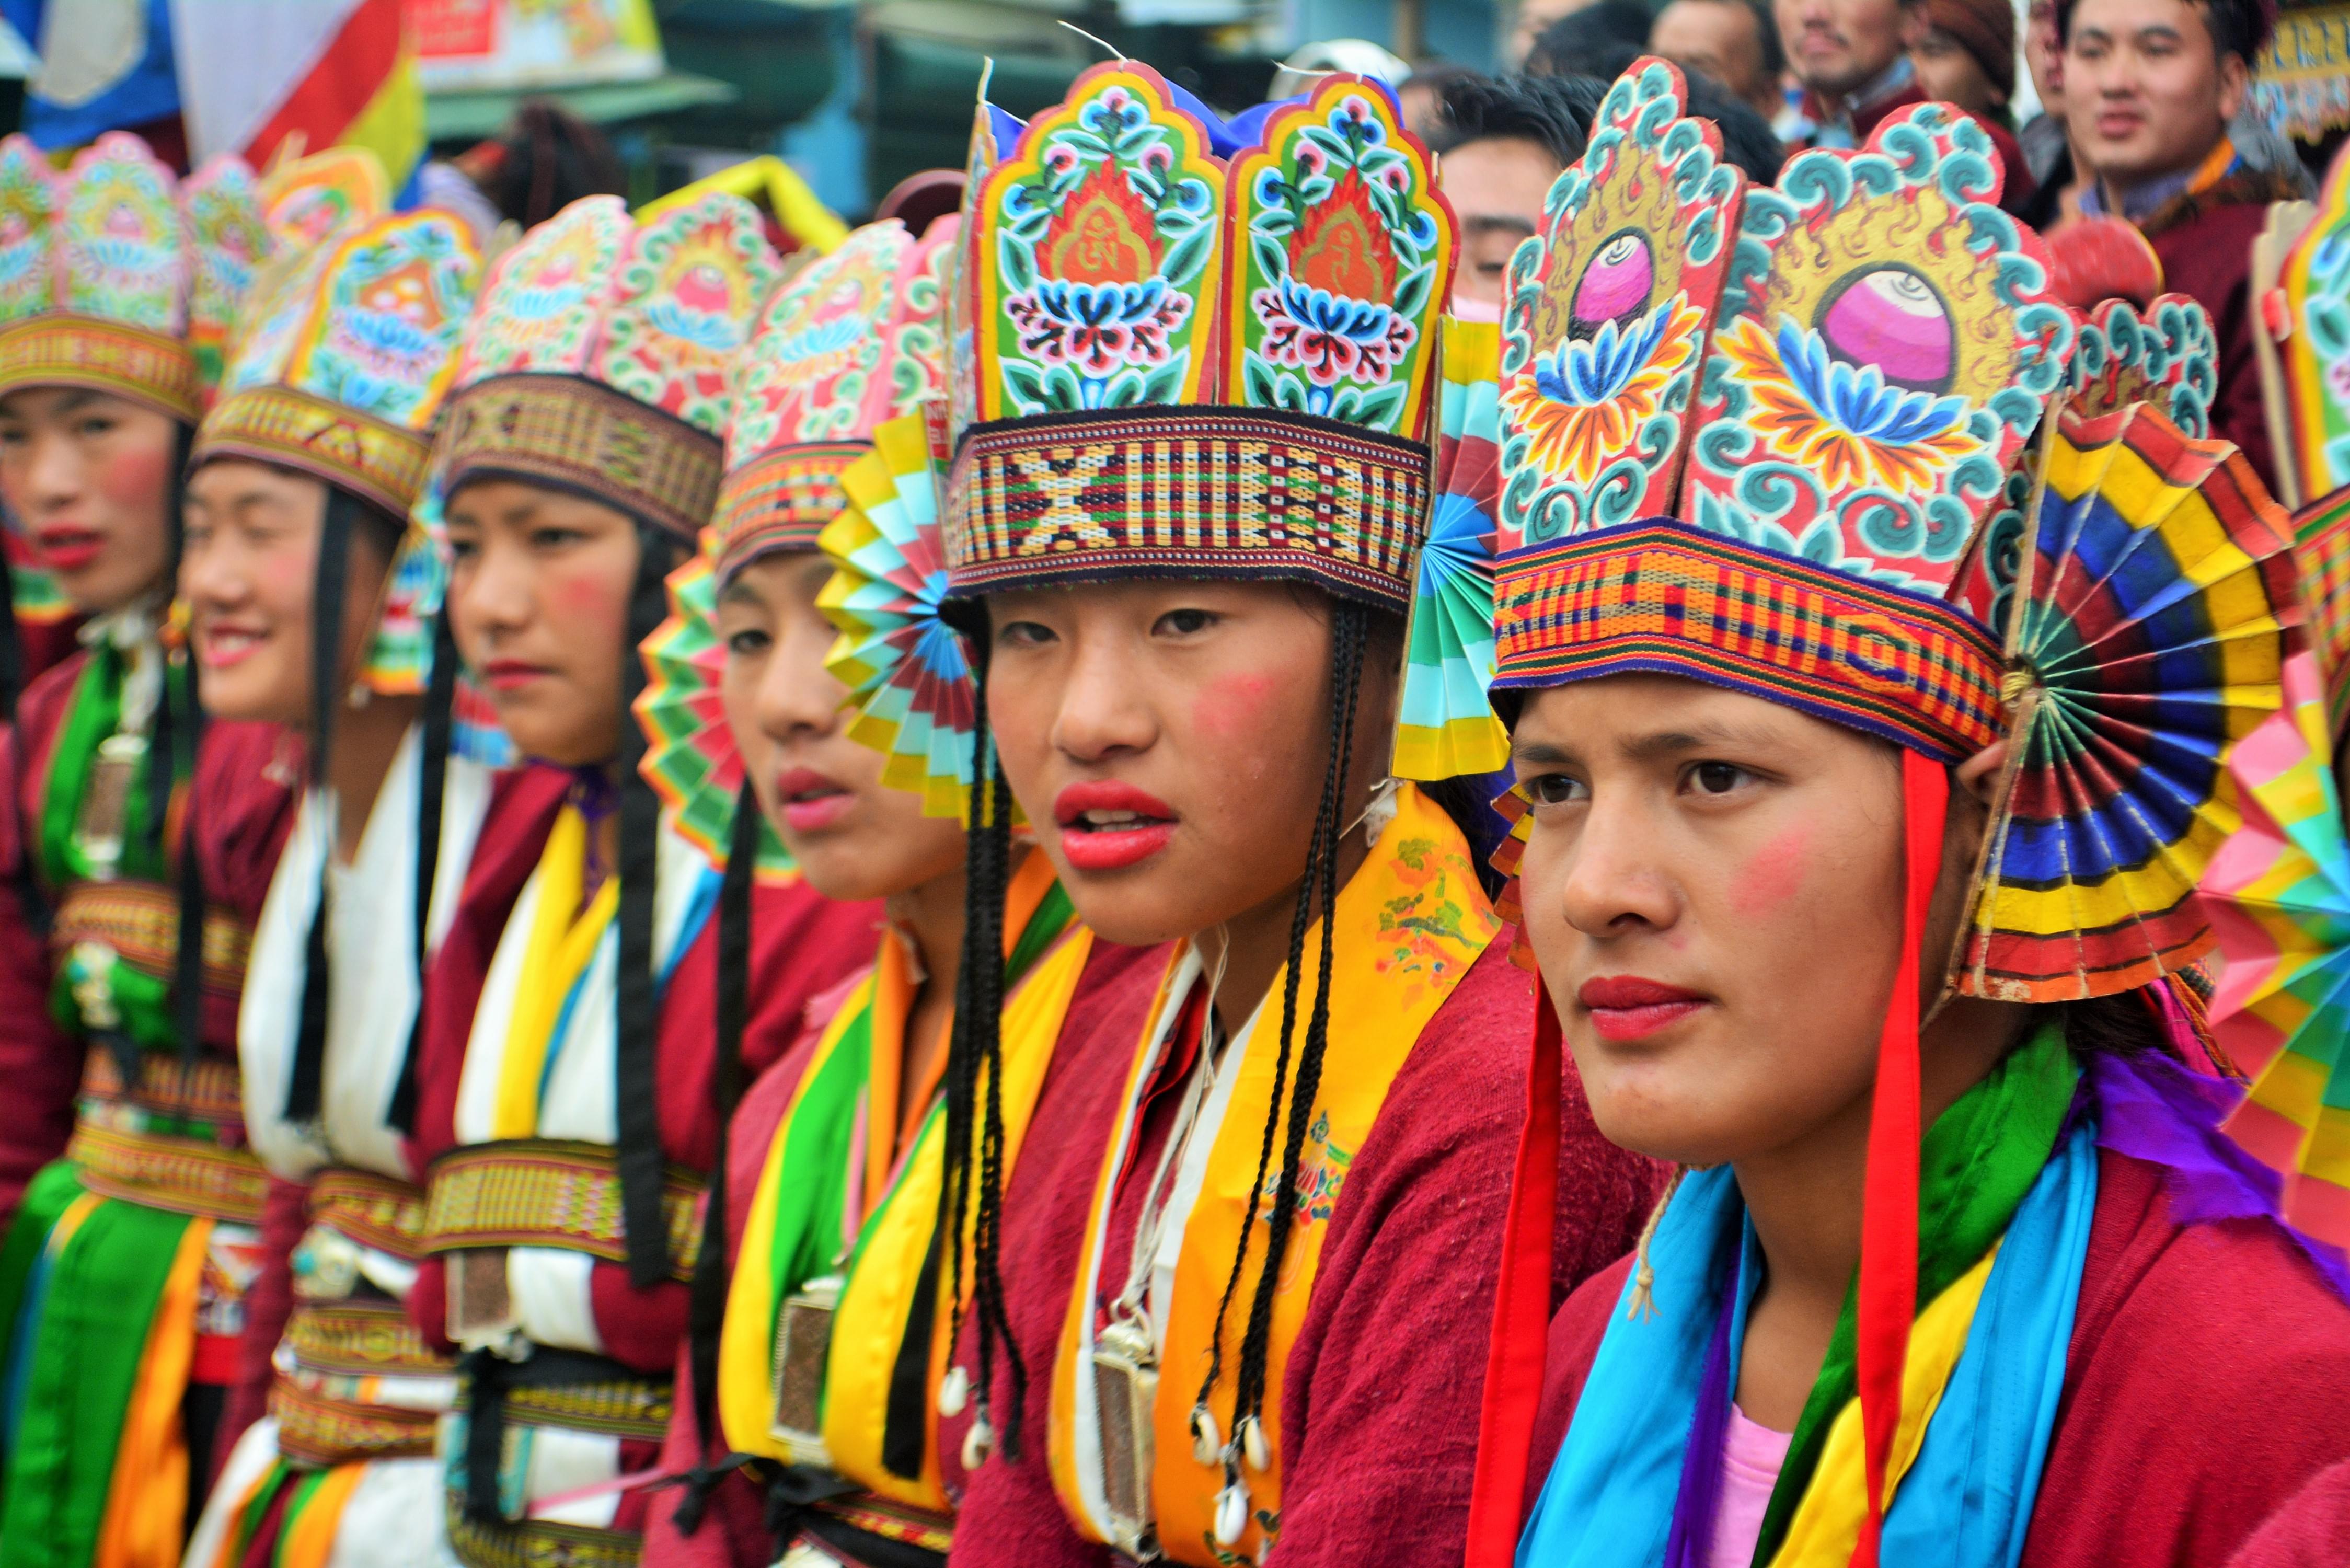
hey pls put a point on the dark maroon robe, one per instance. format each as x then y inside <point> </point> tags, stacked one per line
<point>2205,243</point>
<point>242,797</point>
<point>802,945</point>
<point>2209,1373</point>
<point>1112,995</point>
<point>1380,1402</point>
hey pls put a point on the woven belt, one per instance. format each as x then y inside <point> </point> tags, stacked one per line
<point>373,1210</point>
<point>177,1175</point>
<point>533,1192</point>
<point>207,1092</point>
<point>338,1351</point>
<point>141,922</point>
<point>538,1543</point>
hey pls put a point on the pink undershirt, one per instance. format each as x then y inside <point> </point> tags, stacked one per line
<point>1751,1455</point>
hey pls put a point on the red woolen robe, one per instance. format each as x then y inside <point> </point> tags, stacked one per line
<point>1380,1402</point>
<point>1112,996</point>
<point>242,804</point>
<point>802,945</point>
<point>2207,1379</point>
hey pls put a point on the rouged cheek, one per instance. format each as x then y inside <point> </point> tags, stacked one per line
<point>133,481</point>
<point>1772,873</point>
<point>1232,713</point>
<point>583,599</point>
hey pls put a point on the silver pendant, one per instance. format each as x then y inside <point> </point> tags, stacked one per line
<point>803,1349</point>
<point>1126,1393</point>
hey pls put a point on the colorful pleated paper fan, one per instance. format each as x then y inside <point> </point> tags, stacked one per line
<point>690,757</point>
<point>1447,727</point>
<point>2146,639</point>
<point>907,671</point>
<point>2278,895</point>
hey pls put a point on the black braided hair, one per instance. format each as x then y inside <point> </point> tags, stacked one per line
<point>305,1083</point>
<point>644,1224</point>
<point>439,722</point>
<point>973,1188</point>
<point>1317,894</point>
<point>706,1318</point>
<point>170,755</point>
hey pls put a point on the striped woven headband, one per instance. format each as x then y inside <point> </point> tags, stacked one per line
<point>781,500</point>
<point>583,436</point>
<point>1186,491</point>
<point>380,463</point>
<point>1667,598</point>
<point>59,348</point>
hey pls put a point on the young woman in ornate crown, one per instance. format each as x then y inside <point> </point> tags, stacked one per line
<point>137,846</point>
<point>570,1041</point>
<point>1184,533</point>
<point>1863,818</point>
<point>850,703</point>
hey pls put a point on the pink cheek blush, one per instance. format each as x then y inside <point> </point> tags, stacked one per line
<point>1232,709</point>
<point>582,601</point>
<point>134,480</point>
<point>1774,874</point>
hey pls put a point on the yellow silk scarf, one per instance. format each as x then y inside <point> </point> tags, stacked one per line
<point>884,1267</point>
<point>1411,921</point>
<point>563,942</point>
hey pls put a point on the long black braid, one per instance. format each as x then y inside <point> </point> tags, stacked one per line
<point>636,1069</point>
<point>171,753</point>
<point>305,1083</point>
<point>973,1187</point>
<point>440,725</point>
<point>1317,894</point>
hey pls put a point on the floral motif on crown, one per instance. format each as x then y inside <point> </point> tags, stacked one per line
<point>540,309</point>
<point>306,202</point>
<point>124,253</point>
<point>1608,309</point>
<point>389,319</point>
<point>693,284</point>
<point>1886,343</point>
<point>850,342</point>
<point>1099,288</point>
<point>1341,254</point>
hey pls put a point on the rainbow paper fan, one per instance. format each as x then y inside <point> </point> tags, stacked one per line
<point>1447,727</point>
<point>905,669</point>
<point>2146,638</point>
<point>2278,895</point>
<point>689,758</point>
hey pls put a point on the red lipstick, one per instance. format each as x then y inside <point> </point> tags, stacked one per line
<point>68,549</point>
<point>1107,825</point>
<point>810,801</point>
<point>511,674</point>
<point>1626,1007</point>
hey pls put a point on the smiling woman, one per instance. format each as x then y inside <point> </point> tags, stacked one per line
<point>1190,692</point>
<point>145,843</point>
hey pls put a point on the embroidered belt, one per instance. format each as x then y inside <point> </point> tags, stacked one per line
<point>61,349</point>
<point>207,1092</point>
<point>141,922</point>
<point>538,1543</point>
<point>534,1192</point>
<point>177,1175</point>
<point>373,1210</point>
<point>323,1412</point>
<point>381,464</point>
<point>892,1521</point>
<point>560,1389</point>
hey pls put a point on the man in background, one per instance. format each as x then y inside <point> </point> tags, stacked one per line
<point>1853,58</point>
<point>2149,89</point>
<point>1503,143</point>
<point>1735,42</point>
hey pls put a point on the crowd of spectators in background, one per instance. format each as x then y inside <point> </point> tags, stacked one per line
<point>2142,115</point>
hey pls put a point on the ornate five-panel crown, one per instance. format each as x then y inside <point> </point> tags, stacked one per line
<point>116,277</point>
<point>1197,348</point>
<point>599,356</point>
<point>851,343</point>
<point>1843,372</point>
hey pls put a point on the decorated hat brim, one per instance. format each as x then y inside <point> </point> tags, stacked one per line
<point>569,433</point>
<point>1188,490</point>
<point>780,500</point>
<point>380,463</point>
<point>60,348</point>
